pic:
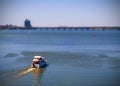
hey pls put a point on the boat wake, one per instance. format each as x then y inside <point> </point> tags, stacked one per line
<point>35,71</point>
<point>24,72</point>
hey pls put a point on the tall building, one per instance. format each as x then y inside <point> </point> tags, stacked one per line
<point>27,23</point>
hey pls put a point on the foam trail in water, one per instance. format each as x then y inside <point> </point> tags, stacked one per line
<point>18,75</point>
<point>24,72</point>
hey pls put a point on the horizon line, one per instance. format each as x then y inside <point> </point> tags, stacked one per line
<point>64,26</point>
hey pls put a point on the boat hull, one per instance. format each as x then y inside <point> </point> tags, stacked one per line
<point>40,65</point>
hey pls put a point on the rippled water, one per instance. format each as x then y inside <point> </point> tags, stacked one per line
<point>75,58</point>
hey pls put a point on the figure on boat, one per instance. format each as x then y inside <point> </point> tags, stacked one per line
<point>39,62</point>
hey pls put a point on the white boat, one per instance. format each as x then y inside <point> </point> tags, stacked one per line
<point>39,62</point>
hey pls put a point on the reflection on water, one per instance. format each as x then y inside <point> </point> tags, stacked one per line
<point>37,73</point>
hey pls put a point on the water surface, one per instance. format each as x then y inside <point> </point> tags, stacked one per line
<point>75,58</point>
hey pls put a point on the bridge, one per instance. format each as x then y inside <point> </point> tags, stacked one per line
<point>61,28</point>
<point>73,28</point>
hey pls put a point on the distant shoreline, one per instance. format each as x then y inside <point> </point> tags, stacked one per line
<point>58,28</point>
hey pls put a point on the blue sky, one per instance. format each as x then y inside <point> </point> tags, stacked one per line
<point>60,12</point>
